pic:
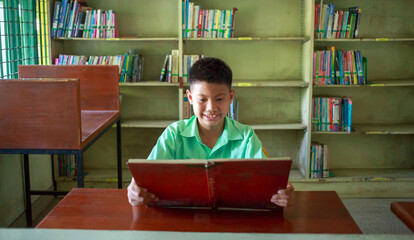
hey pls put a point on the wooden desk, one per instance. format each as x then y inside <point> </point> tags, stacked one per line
<point>405,212</point>
<point>58,110</point>
<point>313,212</point>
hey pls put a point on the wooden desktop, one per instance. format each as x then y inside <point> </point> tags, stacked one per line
<point>312,212</point>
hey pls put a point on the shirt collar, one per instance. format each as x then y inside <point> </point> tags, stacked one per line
<point>230,132</point>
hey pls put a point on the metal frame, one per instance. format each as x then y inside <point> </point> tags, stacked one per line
<point>79,167</point>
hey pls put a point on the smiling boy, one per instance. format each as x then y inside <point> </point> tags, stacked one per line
<point>209,134</point>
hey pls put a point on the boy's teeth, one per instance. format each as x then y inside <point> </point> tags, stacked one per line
<point>211,115</point>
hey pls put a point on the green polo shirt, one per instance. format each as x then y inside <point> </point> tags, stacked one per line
<point>181,140</point>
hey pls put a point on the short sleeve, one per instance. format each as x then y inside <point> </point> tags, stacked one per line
<point>165,147</point>
<point>254,147</point>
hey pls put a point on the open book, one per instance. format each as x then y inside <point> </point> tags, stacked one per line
<point>226,183</point>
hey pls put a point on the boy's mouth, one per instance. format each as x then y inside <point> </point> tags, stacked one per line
<point>211,116</point>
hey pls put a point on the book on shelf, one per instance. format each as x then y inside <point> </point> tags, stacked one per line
<point>338,67</point>
<point>130,64</point>
<point>188,61</point>
<point>55,20</point>
<point>66,165</point>
<point>336,24</point>
<point>187,108</point>
<point>319,161</point>
<point>174,65</point>
<point>164,69</point>
<point>234,110</point>
<point>331,114</point>
<point>217,183</point>
<point>169,70</point>
<point>203,23</point>
<point>76,19</point>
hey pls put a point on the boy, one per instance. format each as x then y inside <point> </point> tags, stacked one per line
<point>209,134</point>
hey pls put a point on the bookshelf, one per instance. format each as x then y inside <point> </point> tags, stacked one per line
<point>271,58</point>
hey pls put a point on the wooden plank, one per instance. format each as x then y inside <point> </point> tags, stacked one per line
<point>40,114</point>
<point>94,122</point>
<point>99,87</point>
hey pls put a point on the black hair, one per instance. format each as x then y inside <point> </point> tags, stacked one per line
<point>210,70</point>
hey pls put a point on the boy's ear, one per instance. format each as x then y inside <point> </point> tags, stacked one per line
<point>190,97</point>
<point>231,95</point>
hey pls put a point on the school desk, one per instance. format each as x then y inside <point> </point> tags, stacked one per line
<point>109,209</point>
<point>58,109</point>
<point>405,212</point>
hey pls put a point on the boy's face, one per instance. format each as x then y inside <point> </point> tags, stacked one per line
<point>211,102</point>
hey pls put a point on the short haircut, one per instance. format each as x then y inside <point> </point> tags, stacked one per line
<point>210,70</point>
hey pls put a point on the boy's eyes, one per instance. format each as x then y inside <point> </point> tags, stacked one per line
<point>204,100</point>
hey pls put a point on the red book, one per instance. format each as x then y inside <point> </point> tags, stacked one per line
<point>200,24</point>
<point>218,183</point>
<point>232,21</point>
<point>338,32</point>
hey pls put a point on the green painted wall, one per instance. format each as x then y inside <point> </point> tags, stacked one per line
<point>12,200</point>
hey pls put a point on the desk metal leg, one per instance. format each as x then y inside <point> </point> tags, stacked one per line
<point>118,146</point>
<point>53,174</point>
<point>79,168</point>
<point>27,190</point>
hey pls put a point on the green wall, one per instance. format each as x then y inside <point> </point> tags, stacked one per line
<point>12,200</point>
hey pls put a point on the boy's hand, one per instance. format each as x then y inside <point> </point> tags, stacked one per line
<point>138,196</point>
<point>284,197</point>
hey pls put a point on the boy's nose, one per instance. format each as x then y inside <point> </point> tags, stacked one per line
<point>210,105</point>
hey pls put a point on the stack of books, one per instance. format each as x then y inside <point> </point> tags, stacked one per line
<point>132,68</point>
<point>74,19</point>
<point>130,64</point>
<point>331,114</point>
<point>66,165</point>
<point>199,23</point>
<point>188,61</point>
<point>169,71</point>
<point>339,67</point>
<point>336,24</point>
<point>319,164</point>
<point>89,60</point>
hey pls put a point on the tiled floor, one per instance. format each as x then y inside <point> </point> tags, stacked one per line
<point>373,216</point>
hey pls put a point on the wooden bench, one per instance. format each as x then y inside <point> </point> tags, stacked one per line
<point>58,110</point>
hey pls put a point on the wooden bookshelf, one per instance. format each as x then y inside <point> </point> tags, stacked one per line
<point>411,39</point>
<point>147,124</point>
<point>271,56</point>
<point>374,83</point>
<point>302,39</point>
<point>129,39</point>
<point>148,84</point>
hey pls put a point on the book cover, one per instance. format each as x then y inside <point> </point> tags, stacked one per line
<point>174,65</point>
<point>164,69</point>
<point>135,70</point>
<point>80,24</point>
<point>218,183</point>
<point>233,12</point>
<point>55,21</point>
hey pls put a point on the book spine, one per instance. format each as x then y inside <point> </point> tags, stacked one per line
<point>56,13</point>
<point>175,63</point>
